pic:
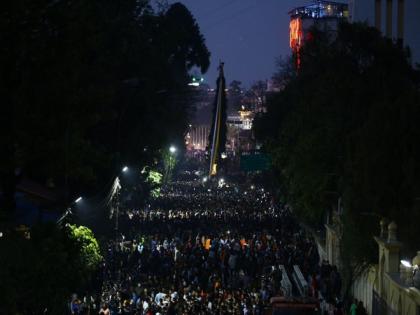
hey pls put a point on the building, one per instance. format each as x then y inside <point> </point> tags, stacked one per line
<point>239,133</point>
<point>396,19</point>
<point>325,15</point>
<point>197,137</point>
<point>390,286</point>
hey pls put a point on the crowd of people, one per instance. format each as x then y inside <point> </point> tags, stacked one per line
<point>204,249</point>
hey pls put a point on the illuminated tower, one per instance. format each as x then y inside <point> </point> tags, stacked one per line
<point>325,15</point>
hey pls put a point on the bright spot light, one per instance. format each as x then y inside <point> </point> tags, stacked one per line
<point>252,186</point>
<point>78,200</point>
<point>223,155</point>
<point>1,234</point>
<point>406,263</point>
<point>194,84</point>
<point>205,179</point>
<point>125,169</point>
<point>172,149</point>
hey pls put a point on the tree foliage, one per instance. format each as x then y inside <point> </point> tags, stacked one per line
<point>90,254</point>
<point>40,273</point>
<point>345,126</point>
<point>90,85</point>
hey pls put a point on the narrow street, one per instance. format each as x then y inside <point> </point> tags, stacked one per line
<point>212,248</point>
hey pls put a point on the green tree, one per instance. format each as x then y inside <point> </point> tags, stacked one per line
<point>40,273</point>
<point>345,127</point>
<point>90,254</point>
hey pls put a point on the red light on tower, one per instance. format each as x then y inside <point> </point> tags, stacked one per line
<point>295,33</point>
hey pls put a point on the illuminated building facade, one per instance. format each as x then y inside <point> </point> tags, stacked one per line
<point>326,15</point>
<point>197,137</point>
<point>396,19</point>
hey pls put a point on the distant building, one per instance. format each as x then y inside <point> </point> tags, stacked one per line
<point>396,19</point>
<point>326,15</point>
<point>197,137</point>
<point>239,136</point>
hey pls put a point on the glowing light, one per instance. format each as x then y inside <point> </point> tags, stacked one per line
<point>125,169</point>
<point>194,84</point>
<point>296,34</point>
<point>172,149</point>
<point>205,179</point>
<point>78,200</point>
<point>406,263</point>
<point>223,155</point>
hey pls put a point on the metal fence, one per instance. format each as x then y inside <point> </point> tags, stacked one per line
<point>380,307</point>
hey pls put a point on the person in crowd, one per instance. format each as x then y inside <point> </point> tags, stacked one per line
<point>209,250</point>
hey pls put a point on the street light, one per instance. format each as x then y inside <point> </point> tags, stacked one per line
<point>125,169</point>
<point>172,149</point>
<point>406,263</point>
<point>78,200</point>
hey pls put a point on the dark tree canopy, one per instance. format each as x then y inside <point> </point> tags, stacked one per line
<point>345,127</point>
<point>90,85</point>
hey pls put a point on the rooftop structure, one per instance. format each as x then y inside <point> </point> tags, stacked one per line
<point>326,15</point>
<point>321,9</point>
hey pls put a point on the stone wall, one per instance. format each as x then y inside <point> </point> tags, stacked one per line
<point>387,288</point>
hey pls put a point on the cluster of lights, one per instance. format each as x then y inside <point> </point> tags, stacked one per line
<point>196,82</point>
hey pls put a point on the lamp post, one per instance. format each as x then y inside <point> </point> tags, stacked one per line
<point>116,190</point>
<point>68,211</point>
<point>171,162</point>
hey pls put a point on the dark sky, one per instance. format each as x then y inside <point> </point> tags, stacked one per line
<point>248,35</point>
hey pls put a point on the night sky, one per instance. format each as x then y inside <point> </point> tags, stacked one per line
<point>248,35</point>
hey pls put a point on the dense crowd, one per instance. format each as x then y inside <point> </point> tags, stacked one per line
<point>204,249</point>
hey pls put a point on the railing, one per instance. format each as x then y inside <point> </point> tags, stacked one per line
<point>299,279</point>
<point>286,284</point>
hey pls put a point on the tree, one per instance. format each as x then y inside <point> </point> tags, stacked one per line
<point>344,127</point>
<point>235,96</point>
<point>90,254</point>
<point>40,273</point>
<point>91,88</point>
